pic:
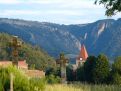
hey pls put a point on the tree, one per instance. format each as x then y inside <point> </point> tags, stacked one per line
<point>88,68</point>
<point>117,65</point>
<point>80,74</point>
<point>96,70</point>
<point>112,6</point>
<point>70,73</point>
<point>101,69</point>
<point>116,71</point>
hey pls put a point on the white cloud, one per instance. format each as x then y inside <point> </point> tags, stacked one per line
<point>79,4</point>
<point>45,1</point>
<point>30,1</point>
<point>19,12</point>
<point>39,12</point>
<point>9,1</point>
<point>58,11</point>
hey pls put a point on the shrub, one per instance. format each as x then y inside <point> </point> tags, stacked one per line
<point>20,81</point>
<point>51,79</point>
<point>37,84</point>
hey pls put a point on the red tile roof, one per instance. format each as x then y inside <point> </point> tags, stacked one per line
<point>83,53</point>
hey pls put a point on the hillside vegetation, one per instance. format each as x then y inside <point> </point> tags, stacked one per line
<point>35,57</point>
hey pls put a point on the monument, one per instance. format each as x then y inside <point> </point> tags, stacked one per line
<point>62,61</point>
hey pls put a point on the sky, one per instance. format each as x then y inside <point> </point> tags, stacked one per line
<point>55,11</point>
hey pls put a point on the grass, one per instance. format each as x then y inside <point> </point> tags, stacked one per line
<point>62,88</point>
<point>82,87</point>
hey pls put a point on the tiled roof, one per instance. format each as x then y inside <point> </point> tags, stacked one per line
<point>83,53</point>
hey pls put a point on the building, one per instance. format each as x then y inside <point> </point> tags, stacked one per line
<point>21,64</point>
<point>5,63</point>
<point>35,73</point>
<point>24,67</point>
<point>83,55</point>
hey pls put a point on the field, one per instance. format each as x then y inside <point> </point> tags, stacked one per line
<point>82,87</point>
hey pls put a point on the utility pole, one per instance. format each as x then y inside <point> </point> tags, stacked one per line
<point>62,61</point>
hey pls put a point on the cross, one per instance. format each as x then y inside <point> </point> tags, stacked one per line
<point>15,45</point>
<point>62,61</point>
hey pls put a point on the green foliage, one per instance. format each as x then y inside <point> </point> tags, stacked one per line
<point>101,69</point>
<point>53,75</point>
<point>80,74</point>
<point>88,68</point>
<point>96,70</point>
<point>37,84</point>
<point>116,78</point>
<point>33,54</point>
<point>53,71</point>
<point>20,81</point>
<point>112,6</point>
<point>71,75</point>
<point>117,65</point>
<point>51,79</point>
<point>116,71</point>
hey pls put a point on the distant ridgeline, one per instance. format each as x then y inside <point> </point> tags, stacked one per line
<point>35,57</point>
<point>102,36</point>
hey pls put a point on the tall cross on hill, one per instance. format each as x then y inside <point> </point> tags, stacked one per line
<point>15,45</point>
<point>62,61</point>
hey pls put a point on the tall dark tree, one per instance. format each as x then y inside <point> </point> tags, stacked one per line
<point>80,74</point>
<point>71,75</point>
<point>101,69</point>
<point>88,68</point>
<point>112,6</point>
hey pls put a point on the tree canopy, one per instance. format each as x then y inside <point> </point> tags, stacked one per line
<point>116,71</point>
<point>112,6</point>
<point>101,69</point>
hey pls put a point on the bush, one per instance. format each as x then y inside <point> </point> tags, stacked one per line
<point>51,79</point>
<point>20,81</point>
<point>37,84</point>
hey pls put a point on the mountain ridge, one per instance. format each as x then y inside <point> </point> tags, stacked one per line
<point>98,37</point>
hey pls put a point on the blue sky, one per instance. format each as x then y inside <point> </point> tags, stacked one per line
<point>55,11</point>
